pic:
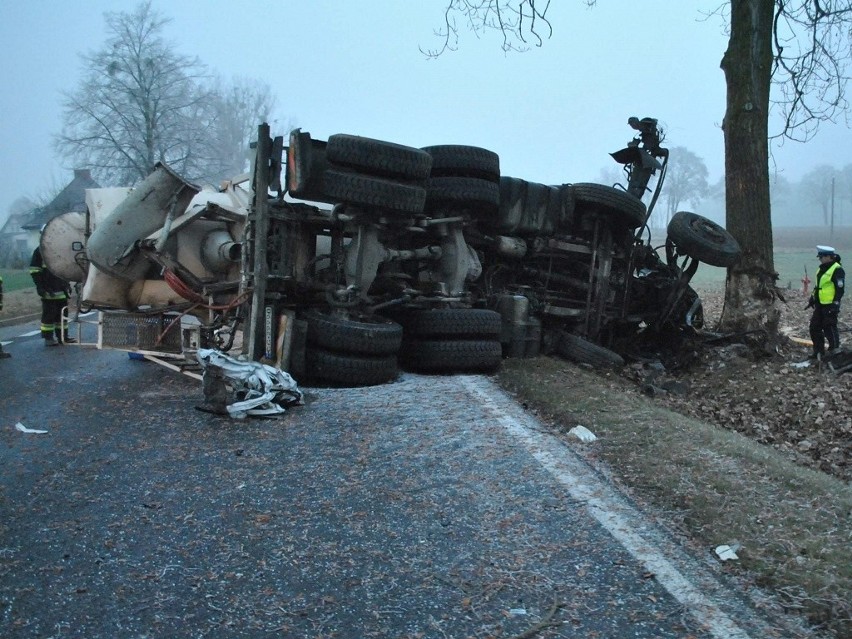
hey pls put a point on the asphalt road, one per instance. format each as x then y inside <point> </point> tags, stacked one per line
<point>429,507</point>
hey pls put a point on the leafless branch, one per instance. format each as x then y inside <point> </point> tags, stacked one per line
<point>519,22</point>
<point>812,41</point>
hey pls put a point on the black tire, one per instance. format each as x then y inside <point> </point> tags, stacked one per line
<point>456,160</point>
<point>453,323</point>
<point>349,370</point>
<point>703,239</point>
<point>466,191</point>
<point>373,191</point>
<point>627,208</point>
<point>368,336</point>
<point>378,157</point>
<point>452,356</point>
<point>583,351</point>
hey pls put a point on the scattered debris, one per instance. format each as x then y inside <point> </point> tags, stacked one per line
<point>260,390</point>
<point>19,426</point>
<point>727,552</point>
<point>583,434</point>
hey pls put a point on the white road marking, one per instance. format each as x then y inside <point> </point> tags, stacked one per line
<point>31,333</point>
<point>620,519</point>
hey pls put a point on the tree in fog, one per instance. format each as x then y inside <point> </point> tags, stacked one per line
<point>799,47</point>
<point>686,181</point>
<point>845,188</point>
<point>816,186</point>
<point>239,106</point>
<point>141,102</point>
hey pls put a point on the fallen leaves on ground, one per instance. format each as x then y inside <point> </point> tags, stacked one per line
<point>801,410</point>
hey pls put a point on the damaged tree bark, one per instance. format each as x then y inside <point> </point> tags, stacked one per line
<point>750,295</point>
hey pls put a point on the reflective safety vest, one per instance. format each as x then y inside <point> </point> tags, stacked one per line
<point>824,290</point>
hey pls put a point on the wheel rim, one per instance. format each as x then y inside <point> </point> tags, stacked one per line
<point>709,230</point>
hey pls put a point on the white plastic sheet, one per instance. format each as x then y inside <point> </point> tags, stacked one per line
<point>262,390</point>
<point>20,427</point>
<point>583,434</point>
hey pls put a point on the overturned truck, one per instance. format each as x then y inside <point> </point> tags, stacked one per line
<point>344,260</point>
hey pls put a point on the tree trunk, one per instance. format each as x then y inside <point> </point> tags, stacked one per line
<point>750,297</point>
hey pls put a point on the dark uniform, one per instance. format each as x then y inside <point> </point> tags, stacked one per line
<point>825,300</point>
<point>54,293</point>
<point>3,354</point>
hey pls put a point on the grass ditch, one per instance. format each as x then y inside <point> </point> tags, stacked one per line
<point>714,486</point>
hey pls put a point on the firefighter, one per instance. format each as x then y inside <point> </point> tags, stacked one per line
<point>3,354</point>
<point>54,293</point>
<point>825,300</point>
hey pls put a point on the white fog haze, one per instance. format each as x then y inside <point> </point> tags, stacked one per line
<point>553,113</point>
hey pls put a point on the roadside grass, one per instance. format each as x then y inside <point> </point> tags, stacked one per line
<point>16,279</point>
<point>715,486</point>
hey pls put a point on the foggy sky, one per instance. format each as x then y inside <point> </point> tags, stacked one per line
<point>553,113</point>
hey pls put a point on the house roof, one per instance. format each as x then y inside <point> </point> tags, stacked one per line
<point>71,198</point>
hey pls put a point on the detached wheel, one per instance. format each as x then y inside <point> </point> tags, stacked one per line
<point>366,336</point>
<point>349,370</point>
<point>453,323</point>
<point>376,156</point>
<point>626,208</point>
<point>583,351</point>
<point>703,239</point>
<point>452,356</point>
<point>456,160</point>
<point>373,191</point>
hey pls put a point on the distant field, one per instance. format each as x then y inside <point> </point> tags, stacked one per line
<point>15,280</point>
<point>790,264</point>
<point>795,249</point>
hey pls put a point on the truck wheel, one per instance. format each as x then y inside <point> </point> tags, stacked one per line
<point>452,356</point>
<point>627,208</point>
<point>365,336</point>
<point>373,191</point>
<point>349,370</point>
<point>583,351</point>
<point>703,239</point>
<point>378,157</point>
<point>452,323</point>
<point>456,160</point>
<point>473,192</point>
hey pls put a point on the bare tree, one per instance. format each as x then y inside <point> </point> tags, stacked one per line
<point>846,183</point>
<point>686,181</point>
<point>817,186</point>
<point>139,103</point>
<point>802,46</point>
<point>239,106</point>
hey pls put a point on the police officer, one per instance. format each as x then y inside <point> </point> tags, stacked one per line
<point>54,293</point>
<point>825,300</point>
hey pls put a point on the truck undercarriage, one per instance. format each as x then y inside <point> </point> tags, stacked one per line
<point>343,260</point>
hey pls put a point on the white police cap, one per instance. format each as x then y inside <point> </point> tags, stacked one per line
<point>825,250</point>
